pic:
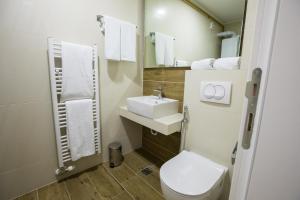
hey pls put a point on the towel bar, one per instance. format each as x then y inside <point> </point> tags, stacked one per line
<point>101,21</point>
<point>152,37</point>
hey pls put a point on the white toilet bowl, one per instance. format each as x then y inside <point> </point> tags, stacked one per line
<point>189,176</point>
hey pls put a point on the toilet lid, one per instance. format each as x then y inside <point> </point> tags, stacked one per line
<point>191,174</point>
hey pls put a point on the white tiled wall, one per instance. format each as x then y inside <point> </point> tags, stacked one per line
<point>27,142</point>
<point>213,128</point>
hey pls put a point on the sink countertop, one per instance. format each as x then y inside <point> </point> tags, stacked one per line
<point>165,125</point>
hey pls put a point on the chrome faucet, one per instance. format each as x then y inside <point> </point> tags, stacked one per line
<point>158,92</point>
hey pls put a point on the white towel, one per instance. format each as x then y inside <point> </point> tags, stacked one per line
<point>80,129</point>
<point>229,63</point>
<point>128,42</point>
<point>77,71</point>
<point>112,38</point>
<point>169,51</point>
<point>181,63</point>
<point>159,49</point>
<point>164,49</point>
<point>203,64</point>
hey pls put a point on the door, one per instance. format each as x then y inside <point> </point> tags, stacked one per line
<point>275,174</point>
<point>257,46</point>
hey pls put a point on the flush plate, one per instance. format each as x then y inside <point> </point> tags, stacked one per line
<point>215,91</point>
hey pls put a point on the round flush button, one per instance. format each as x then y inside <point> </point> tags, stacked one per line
<point>209,91</point>
<point>220,92</point>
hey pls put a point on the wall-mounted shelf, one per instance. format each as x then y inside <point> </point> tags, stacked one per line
<point>165,125</point>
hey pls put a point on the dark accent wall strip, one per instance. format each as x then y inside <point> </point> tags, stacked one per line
<point>172,82</point>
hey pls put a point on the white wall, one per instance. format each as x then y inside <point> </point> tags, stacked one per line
<point>213,128</point>
<point>276,166</point>
<point>234,26</point>
<point>194,39</point>
<point>27,142</point>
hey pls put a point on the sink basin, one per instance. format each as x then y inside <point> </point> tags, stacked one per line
<point>152,107</point>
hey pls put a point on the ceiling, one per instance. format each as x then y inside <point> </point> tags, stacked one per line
<point>225,11</point>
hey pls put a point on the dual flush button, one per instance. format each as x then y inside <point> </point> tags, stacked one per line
<point>215,91</point>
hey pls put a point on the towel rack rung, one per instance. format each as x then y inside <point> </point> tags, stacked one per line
<point>66,151</point>
<point>66,154</point>
<point>65,143</point>
<point>63,137</point>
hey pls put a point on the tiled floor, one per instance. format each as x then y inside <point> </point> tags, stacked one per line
<point>125,182</point>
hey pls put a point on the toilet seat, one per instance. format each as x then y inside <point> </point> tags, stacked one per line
<point>191,174</point>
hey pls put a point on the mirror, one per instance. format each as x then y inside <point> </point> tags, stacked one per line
<point>178,32</point>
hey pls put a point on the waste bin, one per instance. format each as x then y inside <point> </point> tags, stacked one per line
<point>115,154</point>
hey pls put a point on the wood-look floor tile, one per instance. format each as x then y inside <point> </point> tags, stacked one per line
<point>29,196</point>
<point>81,188</point>
<point>106,185</point>
<point>123,196</point>
<point>152,179</point>
<point>55,191</point>
<point>140,190</point>
<point>136,162</point>
<point>121,173</point>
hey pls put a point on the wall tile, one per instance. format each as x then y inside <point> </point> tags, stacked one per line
<point>180,107</point>
<point>149,86</point>
<point>19,123</point>
<point>213,128</point>
<point>27,139</point>
<point>172,82</point>
<point>158,150</point>
<point>174,75</point>
<point>170,142</point>
<point>154,74</point>
<point>173,90</point>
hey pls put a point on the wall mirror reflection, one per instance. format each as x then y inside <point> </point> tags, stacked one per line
<point>180,32</point>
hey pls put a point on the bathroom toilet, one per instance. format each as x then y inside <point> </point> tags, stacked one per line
<point>190,176</point>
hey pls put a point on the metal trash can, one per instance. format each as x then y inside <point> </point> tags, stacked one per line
<point>115,154</point>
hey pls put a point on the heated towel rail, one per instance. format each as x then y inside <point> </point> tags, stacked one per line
<point>59,108</point>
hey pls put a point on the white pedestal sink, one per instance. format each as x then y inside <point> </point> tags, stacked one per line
<point>152,107</point>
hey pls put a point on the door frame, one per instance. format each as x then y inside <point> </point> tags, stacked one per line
<point>257,49</point>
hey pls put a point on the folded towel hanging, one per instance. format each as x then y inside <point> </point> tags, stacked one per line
<point>164,49</point>
<point>152,37</point>
<point>120,39</point>
<point>128,42</point>
<point>181,63</point>
<point>80,128</point>
<point>112,38</point>
<point>100,19</point>
<point>229,63</point>
<point>203,64</point>
<point>77,71</point>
